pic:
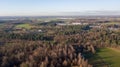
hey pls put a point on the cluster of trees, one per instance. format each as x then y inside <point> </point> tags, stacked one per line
<point>28,36</point>
<point>63,48</point>
<point>50,23</point>
<point>39,54</point>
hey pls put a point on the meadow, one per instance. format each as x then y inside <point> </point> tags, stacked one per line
<point>26,26</point>
<point>106,57</point>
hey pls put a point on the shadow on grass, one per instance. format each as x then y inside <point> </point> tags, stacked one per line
<point>96,60</point>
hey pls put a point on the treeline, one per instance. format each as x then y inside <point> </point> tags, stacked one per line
<point>50,23</point>
<point>28,36</point>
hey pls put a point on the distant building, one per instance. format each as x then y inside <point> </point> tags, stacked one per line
<point>39,30</point>
<point>111,28</point>
<point>85,23</point>
<point>72,23</point>
<point>61,24</point>
<point>76,23</point>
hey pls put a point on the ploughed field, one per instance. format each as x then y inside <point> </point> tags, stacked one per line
<point>105,57</point>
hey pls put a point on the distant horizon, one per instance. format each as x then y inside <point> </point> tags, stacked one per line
<point>59,7</point>
<point>78,16</point>
<point>86,13</point>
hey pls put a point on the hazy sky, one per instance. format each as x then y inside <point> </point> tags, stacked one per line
<point>58,7</point>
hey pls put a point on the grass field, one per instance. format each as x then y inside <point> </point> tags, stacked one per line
<point>1,25</point>
<point>26,26</point>
<point>111,23</point>
<point>106,57</point>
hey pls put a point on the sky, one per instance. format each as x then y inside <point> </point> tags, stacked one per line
<point>59,7</point>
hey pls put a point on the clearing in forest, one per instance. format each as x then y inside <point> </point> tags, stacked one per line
<point>105,57</point>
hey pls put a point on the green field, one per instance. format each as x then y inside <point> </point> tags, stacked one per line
<point>2,25</point>
<point>105,57</point>
<point>112,23</point>
<point>26,26</point>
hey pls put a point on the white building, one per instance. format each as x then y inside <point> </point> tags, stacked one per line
<point>76,23</point>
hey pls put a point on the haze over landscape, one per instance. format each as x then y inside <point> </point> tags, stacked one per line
<point>59,33</point>
<point>59,7</point>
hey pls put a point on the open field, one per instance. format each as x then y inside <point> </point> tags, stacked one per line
<point>112,23</point>
<point>2,25</point>
<point>26,26</point>
<point>106,57</point>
